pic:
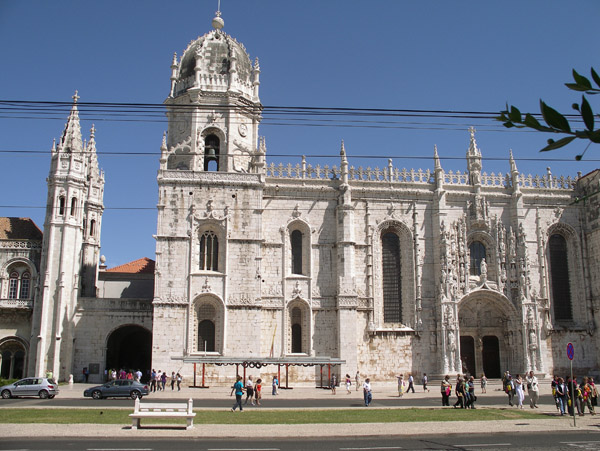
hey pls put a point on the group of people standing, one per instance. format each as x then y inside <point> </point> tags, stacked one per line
<point>464,389</point>
<point>514,387</point>
<point>113,374</point>
<point>568,394</point>
<point>158,380</point>
<point>253,392</point>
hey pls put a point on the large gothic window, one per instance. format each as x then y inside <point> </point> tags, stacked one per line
<point>211,153</point>
<point>477,252</point>
<point>559,274</point>
<point>209,251</point>
<point>392,278</point>
<point>296,239</point>
<point>206,336</point>
<point>296,319</point>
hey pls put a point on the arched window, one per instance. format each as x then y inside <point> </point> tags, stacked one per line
<point>296,241</point>
<point>211,153</point>
<point>61,205</point>
<point>206,336</point>
<point>296,320</point>
<point>209,251</point>
<point>73,205</point>
<point>477,252</point>
<point>25,284</point>
<point>559,274</point>
<point>392,278</point>
<point>19,284</point>
<point>13,285</point>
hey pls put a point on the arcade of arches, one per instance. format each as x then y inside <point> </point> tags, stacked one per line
<point>486,336</point>
<point>129,348</point>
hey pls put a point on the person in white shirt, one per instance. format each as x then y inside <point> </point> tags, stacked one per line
<point>367,391</point>
<point>533,389</point>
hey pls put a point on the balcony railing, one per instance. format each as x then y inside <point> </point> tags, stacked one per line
<point>16,303</point>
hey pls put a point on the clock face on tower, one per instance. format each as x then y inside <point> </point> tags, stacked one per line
<point>243,130</point>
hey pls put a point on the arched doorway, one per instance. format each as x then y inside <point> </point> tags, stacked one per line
<point>489,337</point>
<point>490,355</point>
<point>12,359</point>
<point>130,348</point>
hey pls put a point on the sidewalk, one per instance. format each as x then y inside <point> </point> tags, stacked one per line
<point>586,423</point>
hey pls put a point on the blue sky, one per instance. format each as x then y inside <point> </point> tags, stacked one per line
<point>423,55</point>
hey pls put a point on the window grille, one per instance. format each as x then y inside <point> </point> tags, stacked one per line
<point>392,278</point>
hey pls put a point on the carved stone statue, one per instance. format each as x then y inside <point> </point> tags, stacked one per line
<point>483,270</point>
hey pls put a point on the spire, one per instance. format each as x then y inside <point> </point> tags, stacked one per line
<point>71,138</point>
<point>436,159</point>
<point>93,170</point>
<point>513,165</point>
<point>473,150</point>
<point>514,174</point>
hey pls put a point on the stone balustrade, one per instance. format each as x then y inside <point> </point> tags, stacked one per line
<point>16,303</point>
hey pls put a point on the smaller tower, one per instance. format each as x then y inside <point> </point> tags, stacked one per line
<point>70,247</point>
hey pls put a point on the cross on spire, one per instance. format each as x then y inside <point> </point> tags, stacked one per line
<point>76,97</point>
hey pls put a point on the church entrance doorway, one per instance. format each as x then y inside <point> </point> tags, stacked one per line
<point>491,356</point>
<point>467,354</point>
<point>130,348</point>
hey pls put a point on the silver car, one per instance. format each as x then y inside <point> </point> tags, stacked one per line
<point>30,386</point>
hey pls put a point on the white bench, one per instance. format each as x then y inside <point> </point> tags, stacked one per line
<point>162,410</point>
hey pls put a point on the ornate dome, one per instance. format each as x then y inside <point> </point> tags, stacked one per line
<point>214,62</point>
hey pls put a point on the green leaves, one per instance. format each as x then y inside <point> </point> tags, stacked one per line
<point>587,114</point>
<point>554,119</point>
<point>556,122</point>
<point>557,144</point>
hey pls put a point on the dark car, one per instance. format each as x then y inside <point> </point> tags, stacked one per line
<point>122,388</point>
<point>31,386</point>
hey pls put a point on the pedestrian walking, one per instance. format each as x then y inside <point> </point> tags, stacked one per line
<point>519,391</point>
<point>509,389</point>
<point>367,393</point>
<point>333,384</point>
<point>483,383</point>
<point>348,383</point>
<point>163,379</point>
<point>173,380</point>
<point>459,390</point>
<point>258,391</point>
<point>275,385</point>
<point>446,389</point>
<point>249,391</point>
<point>587,396</point>
<point>411,383</point>
<point>424,381</point>
<point>153,380</point>
<point>179,378</point>
<point>533,390</point>
<point>561,395</point>
<point>400,385</point>
<point>238,388</point>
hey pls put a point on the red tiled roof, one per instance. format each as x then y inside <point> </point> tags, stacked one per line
<point>19,229</point>
<point>141,266</point>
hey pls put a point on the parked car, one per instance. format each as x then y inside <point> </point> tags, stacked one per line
<point>119,388</point>
<point>31,386</point>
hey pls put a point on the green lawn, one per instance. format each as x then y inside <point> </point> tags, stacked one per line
<point>254,416</point>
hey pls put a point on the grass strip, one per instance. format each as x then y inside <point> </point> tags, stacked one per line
<point>116,416</point>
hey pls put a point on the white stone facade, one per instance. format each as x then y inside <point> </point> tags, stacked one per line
<point>386,270</point>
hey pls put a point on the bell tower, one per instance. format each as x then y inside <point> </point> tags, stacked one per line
<point>70,247</point>
<point>213,106</point>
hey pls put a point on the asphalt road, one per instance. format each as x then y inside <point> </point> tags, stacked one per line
<point>575,440</point>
